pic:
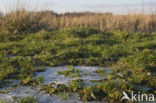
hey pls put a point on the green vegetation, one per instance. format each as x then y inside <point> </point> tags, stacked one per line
<point>21,100</point>
<point>104,91</point>
<point>71,73</point>
<point>131,55</point>
<point>32,81</point>
<point>27,100</point>
<point>4,91</point>
<point>51,90</point>
<point>101,72</point>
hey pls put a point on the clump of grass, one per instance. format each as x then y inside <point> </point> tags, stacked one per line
<point>100,80</point>
<point>75,85</point>
<point>38,69</point>
<point>71,73</point>
<point>82,32</point>
<point>4,91</point>
<point>31,99</point>
<point>51,90</point>
<point>101,72</point>
<point>64,95</point>
<point>27,100</point>
<point>91,94</point>
<point>32,81</point>
<point>137,66</point>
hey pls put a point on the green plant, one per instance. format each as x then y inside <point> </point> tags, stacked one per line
<point>71,72</point>
<point>27,100</point>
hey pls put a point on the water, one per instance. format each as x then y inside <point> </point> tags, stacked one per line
<point>50,75</point>
<point>41,96</point>
<point>88,73</point>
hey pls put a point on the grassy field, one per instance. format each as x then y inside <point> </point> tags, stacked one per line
<point>31,41</point>
<point>132,54</point>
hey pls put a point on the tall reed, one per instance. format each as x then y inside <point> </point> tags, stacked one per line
<point>23,21</point>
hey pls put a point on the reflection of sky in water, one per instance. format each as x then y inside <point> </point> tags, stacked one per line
<point>115,6</point>
<point>41,96</point>
<point>51,76</point>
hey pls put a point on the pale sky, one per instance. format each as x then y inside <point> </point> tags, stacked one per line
<point>61,6</point>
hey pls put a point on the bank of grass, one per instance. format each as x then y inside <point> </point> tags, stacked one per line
<point>132,54</point>
<point>21,100</point>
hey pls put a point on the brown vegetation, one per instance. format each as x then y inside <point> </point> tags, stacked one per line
<point>22,21</point>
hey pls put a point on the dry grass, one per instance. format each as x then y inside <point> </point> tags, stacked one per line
<point>22,21</point>
<point>130,23</point>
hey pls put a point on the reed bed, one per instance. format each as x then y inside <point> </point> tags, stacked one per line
<point>23,21</point>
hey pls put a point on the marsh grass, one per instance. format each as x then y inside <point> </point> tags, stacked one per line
<point>134,51</point>
<point>103,91</point>
<point>71,73</point>
<point>132,54</point>
<point>21,21</point>
<point>30,40</point>
<point>21,100</point>
<point>27,100</point>
<point>4,91</point>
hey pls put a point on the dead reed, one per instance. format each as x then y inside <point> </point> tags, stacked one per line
<point>23,21</point>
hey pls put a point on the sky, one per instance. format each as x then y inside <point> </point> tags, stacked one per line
<point>61,6</point>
